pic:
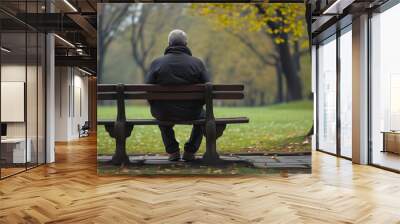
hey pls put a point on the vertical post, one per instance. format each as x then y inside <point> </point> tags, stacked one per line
<point>120,129</point>
<point>210,156</point>
<point>314,55</point>
<point>338,96</point>
<point>360,90</point>
<point>50,97</point>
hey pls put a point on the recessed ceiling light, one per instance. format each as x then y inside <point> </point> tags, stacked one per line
<point>337,7</point>
<point>84,71</point>
<point>5,50</point>
<point>70,5</point>
<point>65,41</point>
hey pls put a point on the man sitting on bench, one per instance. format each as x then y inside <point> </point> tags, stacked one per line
<point>178,67</point>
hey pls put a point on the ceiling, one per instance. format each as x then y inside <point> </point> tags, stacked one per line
<point>74,22</point>
<point>337,14</point>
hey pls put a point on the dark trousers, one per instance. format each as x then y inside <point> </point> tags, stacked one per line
<point>193,143</point>
<point>172,146</point>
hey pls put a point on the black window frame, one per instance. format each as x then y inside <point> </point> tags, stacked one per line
<point>333,33</point>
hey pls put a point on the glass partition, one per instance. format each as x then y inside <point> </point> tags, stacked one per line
<point>22,107</point>
<point>14,145</point>
<point>327,95</point>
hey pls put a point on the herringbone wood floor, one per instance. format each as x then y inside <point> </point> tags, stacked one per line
<point>69,191</point>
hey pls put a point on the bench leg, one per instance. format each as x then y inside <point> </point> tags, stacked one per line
<point>120,157</point>
<point>119,131</point>
<point>211,155</point>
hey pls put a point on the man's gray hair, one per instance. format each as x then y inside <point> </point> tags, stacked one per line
<point>177,37</point>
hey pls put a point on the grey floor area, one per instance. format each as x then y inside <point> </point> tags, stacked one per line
<point>300,161</point>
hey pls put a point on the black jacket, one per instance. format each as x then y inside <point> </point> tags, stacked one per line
<point>177,67</point>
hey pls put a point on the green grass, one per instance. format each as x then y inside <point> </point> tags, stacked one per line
<point>277,128</point>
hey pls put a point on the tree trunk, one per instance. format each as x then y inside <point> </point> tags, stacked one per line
<point>289,69</point>
<point>262,99</point>
<point>279,87</point>
<point>288,64</point>
<point>297,55</point>
<point>100,67</point>
<point>100,50</point>
<point>207,61</point>
<point>144,72</point>
<point>309,22</point>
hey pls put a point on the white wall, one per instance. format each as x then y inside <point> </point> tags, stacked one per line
<point>61,103</point>
<point>80,110</point>
<point>71,94</point>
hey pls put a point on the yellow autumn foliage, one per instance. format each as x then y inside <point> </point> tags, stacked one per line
<point>287,18</point>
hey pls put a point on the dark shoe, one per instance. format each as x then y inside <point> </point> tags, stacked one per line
<point>174,156</point>
<point>188,156</point>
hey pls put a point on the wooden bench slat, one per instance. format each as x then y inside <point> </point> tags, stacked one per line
<point>106,96</point>
<point>232,120</point>
<point>164,96</point>
<point>174,88</point>
<point>227,95</point>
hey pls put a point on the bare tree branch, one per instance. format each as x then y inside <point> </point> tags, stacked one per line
<point>142,44</point>
<point>109,29</point>
<point>263,57</point>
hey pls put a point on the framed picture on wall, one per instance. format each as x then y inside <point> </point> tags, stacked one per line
<point>12,101</point>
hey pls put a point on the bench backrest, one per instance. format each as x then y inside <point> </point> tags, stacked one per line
<point>158,92</point>
<point>206,92</point>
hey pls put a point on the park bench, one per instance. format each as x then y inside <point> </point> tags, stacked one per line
<point>121,128</point>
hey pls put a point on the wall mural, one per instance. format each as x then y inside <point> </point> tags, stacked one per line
<point>215,89</point>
